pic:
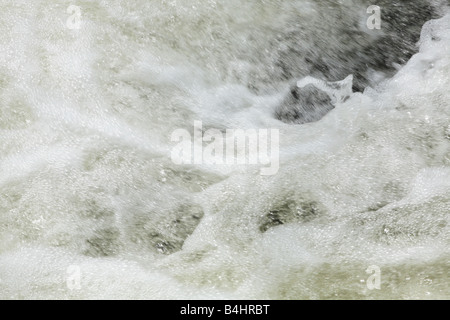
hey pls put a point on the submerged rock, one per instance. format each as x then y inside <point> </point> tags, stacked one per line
<point>291,211</point>
<point>310,99</point>
<point>303,105</point>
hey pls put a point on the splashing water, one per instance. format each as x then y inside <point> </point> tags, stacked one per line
<point>91,205</point>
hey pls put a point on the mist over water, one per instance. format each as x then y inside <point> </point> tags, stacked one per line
<point>93,207</point>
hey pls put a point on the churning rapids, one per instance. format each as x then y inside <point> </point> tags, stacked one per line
<point>92,205</point>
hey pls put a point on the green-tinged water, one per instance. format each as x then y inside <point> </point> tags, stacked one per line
<point>93,205</point>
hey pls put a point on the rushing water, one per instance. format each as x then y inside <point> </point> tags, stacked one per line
<point>92,205</point>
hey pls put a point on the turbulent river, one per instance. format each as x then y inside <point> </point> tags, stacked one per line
<point>94,205</point>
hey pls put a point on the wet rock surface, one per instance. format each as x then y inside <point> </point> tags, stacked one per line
<point>303,105</point>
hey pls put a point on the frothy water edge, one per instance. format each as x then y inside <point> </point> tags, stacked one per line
<point>87,181</point>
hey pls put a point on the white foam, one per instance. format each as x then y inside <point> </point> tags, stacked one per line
<point>86,177</point>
